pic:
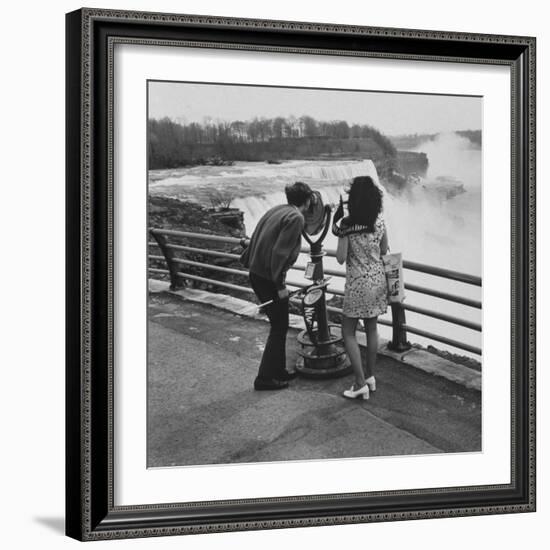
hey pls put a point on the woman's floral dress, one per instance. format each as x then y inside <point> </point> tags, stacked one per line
<point>366,291</point>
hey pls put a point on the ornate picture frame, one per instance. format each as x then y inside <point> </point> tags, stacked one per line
<point>91,510</point>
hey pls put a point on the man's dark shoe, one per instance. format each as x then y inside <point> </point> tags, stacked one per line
<point>272,384</point>
<point>286,376</point>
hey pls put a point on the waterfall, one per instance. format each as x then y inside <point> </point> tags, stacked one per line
<point>254,207</point>
<point>330,178</point>
<point>337,172</point>
<point>261,174</point>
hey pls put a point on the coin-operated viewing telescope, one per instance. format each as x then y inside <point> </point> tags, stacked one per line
<point>322,352</point>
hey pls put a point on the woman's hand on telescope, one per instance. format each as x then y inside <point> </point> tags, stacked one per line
<point>339,213</point>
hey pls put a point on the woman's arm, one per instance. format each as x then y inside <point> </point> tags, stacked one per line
<point>384,243</point>
<point>342,250</point>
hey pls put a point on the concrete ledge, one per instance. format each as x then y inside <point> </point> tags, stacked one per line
<point>438,366</point>
<point>417,358</point>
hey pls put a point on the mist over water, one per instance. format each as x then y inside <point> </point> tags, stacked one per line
<point>422,223</point>
<point>443,232</point>
<point>452,155</point>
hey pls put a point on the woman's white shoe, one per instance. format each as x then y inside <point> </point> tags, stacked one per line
<point>371,381</point>
<point>361,393</point>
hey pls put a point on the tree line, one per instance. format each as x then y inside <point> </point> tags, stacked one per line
<point>174,144</point>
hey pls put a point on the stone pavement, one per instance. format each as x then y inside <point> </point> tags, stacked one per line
<point>202,408</point>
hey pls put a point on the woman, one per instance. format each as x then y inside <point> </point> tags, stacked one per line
<point>362,240</point>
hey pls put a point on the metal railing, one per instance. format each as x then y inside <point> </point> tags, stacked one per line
<point>400,327</point>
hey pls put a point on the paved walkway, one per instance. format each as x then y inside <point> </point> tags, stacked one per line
<point>202,408</point>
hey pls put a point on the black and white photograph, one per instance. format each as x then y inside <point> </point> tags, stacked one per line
<point>271,275</point>
<point>314,273</point>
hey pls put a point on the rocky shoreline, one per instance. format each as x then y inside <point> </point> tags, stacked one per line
<point>186,216</point>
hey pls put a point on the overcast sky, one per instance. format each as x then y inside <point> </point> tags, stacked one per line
<point>392,113</point>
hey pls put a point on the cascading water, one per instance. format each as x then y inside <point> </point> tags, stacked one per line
<point>244,175</point>
<point>254,207</point>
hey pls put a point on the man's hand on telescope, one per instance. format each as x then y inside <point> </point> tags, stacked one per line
<point>282,293</point>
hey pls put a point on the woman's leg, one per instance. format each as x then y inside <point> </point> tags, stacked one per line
<point>371,330</point>
<point>349,325</point>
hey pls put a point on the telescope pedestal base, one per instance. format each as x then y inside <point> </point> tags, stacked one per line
<point>310,369</point>
<point>322,360</point>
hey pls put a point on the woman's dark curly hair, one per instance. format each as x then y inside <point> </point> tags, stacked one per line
<point>364,202</point>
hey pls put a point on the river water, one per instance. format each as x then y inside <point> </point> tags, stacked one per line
<point>422,224</point>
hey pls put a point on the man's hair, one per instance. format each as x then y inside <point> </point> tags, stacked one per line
<point>298,193</point>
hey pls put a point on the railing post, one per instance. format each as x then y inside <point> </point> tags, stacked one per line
<point>169,255</point>
<point>399,337</point>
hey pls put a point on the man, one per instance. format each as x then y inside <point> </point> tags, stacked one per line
<point>273,248</point>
